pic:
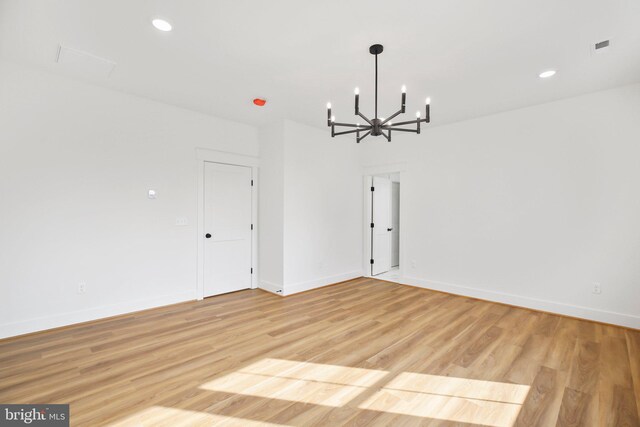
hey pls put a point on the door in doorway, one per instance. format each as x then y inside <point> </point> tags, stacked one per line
<point>227,221</point>
<point>395,224</point>
<point>382,227</point>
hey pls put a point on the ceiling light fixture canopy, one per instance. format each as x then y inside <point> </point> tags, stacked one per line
<point>378,125</point>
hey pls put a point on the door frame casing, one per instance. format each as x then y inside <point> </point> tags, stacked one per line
<point>368,172</point>
<point>395,188</point>
<point>204,155</point>
<point>380,234</point>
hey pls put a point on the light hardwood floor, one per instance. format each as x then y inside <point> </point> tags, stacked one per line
<point>364,352</point>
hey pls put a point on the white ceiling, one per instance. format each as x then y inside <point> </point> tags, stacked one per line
<point>472,57</point>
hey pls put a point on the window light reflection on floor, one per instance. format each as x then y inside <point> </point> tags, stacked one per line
<point>327,387</point>
<point>406,393</point>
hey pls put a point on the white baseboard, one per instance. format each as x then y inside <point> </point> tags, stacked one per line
<point>595,314</point>
<point>270,287</point>
<point>318,283</point>
<point>86,315</point>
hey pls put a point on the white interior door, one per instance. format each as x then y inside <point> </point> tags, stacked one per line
<point>227,221</point>
<point>381,232</point>
<point>395,224</point>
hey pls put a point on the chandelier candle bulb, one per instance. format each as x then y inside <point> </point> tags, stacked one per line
<point>404,97</point>
<point>427,117</point>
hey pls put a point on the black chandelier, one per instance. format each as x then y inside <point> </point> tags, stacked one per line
<point>377,126</point>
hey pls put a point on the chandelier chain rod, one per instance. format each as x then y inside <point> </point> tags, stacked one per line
<point>376,107</point>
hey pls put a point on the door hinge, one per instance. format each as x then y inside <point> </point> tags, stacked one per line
<point>252,183</point>
<point>252,226</point>
<point>251,270</point>
<point>372,225</point>
<point>373,188</point>
<point>370,261</point>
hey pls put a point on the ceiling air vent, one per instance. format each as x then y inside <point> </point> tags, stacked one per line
<point>600,48</point>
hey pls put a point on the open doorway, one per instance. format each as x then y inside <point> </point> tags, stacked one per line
<point>385,226</point>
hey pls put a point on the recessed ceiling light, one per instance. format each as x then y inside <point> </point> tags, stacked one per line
<point>161,24</point>
<point>547,74</point>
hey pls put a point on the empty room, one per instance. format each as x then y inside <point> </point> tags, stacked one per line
<point>330,213</point>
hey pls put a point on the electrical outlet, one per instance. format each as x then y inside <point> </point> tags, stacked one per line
<point>597,289</point>
<point>182,221</point>
<point>82,287</point>
<point>413,263</point>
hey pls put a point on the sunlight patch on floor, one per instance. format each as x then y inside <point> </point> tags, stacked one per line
<point>304,382</point>
<point>410,394</point>
<point>449,398</point>
<point>460,387</point>
<point>320,372</point>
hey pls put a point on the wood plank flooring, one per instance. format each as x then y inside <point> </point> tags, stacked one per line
<point>365,352</point>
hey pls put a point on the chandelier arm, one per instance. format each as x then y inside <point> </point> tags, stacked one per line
<point>363,136</point>
<point>390,118</point>
<point>365,118</point>
<point>347,132</point>
<point>400,129</point>
<point>409,122</point>
<point>352,125</point>
<point>387,135</point>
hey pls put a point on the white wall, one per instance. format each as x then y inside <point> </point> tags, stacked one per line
<point>310,207</point>
<point>76,162</point>
<point>528,207</point>
<point>271,207</point>
<point>322,209</point>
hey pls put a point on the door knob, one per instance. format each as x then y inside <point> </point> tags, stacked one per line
<point>389,229</point>
<point>208,236</point>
